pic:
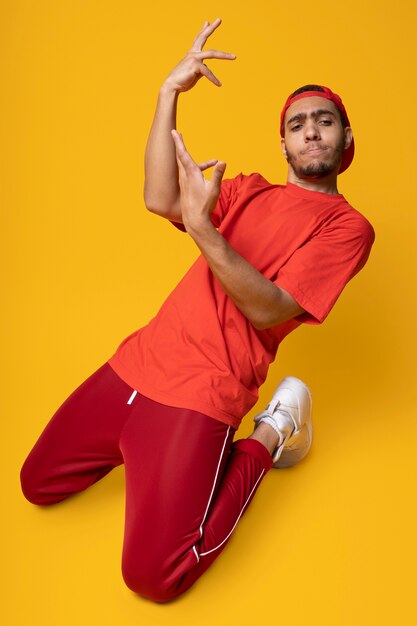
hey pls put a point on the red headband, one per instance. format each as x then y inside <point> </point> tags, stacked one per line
<point>329,95</point>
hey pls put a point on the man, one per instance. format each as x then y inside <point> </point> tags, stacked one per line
<point>168,402</point>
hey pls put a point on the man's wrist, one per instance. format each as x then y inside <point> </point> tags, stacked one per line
<point>199,229</point>
<point>167,90</point>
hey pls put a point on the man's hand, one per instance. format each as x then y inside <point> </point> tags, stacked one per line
<point>191,68</point>
<point>198,195</point>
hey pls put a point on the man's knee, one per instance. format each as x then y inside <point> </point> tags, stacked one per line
<point>27,484</point>
<point>152,582</point>
<point>34,484</point>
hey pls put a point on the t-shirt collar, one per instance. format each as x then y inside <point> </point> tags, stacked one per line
<point>308,194</point>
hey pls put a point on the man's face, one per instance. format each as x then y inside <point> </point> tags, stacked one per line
<point>314,139</point>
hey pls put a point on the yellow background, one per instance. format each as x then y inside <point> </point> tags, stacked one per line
<point>330,542</point>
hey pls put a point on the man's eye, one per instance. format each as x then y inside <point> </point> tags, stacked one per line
<point>326,122</point>
<point>296,127</point>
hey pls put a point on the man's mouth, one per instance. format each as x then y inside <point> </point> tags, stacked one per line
<point>314,150</point>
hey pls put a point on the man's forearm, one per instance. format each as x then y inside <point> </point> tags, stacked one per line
<point>262,302</point>
<point>161,191</point>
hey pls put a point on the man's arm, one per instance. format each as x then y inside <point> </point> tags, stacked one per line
<point>262,302</point>
<point>161,191</point>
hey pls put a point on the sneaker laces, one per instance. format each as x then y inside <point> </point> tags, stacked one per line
<point>281,421</point>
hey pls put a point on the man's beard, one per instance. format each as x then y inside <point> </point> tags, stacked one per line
<point>319,168</point>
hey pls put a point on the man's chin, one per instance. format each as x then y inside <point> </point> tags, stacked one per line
<point>318,169</point>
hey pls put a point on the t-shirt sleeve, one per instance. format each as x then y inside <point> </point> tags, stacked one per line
<point>316,274</point>
<point>228,192</point>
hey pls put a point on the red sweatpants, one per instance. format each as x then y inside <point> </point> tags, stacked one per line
<point>187,485</point>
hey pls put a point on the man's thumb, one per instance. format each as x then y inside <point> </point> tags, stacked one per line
<point>218,172</point>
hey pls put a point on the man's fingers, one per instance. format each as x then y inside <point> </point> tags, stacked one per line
<point>197,48</point>
<point>209,74</point>
<point>206,164</point>
<point>215,54</point>
<point>186,163</point>
<point>204,34</point>
<point>183,157</point>
<point>179,143</point>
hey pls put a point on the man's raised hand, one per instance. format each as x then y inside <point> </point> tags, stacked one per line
<point>191,68</point>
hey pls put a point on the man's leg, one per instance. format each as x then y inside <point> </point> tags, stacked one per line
<point>187,486</point>
<point>80,444</point>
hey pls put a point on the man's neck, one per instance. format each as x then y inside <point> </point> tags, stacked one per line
<point>327,184</point>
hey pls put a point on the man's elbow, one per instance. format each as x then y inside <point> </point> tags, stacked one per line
<point>263,324</point>
<point>156,208</point>
<point>150,203</point>
<point>270,319</point>
<point>269,322</point>
<point>169,210</point>
<point>261,320</point>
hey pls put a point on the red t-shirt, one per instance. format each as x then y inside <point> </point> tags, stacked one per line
<point>200,352</point>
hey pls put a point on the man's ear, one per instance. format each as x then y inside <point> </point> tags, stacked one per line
<point>283,148</point>
<point>348,136</point>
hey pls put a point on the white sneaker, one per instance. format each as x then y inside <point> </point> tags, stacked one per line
<point>289,413</point>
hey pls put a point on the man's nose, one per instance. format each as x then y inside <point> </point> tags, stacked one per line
<point>312,132</point>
